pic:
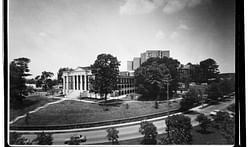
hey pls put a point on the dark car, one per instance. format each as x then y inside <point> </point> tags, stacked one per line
<point>78,138</point>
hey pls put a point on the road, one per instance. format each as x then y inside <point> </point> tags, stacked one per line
<point>128,132</point>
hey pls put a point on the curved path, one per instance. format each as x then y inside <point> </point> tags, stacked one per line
<point>46,105</point>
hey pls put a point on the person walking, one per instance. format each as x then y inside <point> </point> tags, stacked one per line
<point>27,118</point>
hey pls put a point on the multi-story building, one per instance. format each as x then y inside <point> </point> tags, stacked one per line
<point>142,58</point>
<point>154,54</point>
<point>136,63</point>
<point>76,83</point>
<point>129,65</point>
<point>184,71</point>
<point>146,55</point>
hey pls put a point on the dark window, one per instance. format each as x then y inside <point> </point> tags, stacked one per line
<point>75,82</point>
<point>83,81</point>
<point>79,82</point>
<point>65,83</point>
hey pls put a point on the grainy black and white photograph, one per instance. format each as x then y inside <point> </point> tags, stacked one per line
<point>121,72</point>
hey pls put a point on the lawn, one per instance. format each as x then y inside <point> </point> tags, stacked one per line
<point>71,112</point>
<point>29,104</point>
<point>213,137</point>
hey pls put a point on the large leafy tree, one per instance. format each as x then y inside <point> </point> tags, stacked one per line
<point>60,73</point>
<point>213,92</point>
<point>227,86</point>
<point>226,125</point>
<point>178,129</point>
<point>18,139</point>
<point>18,73</point>
<point>105,71</point>
<point>44,80</point>
<point>149,131</point>
<point>113,135</point>
<point>209,70</point>
<point>190,100</point>
<point>154,75</point>
<point>204,122</point>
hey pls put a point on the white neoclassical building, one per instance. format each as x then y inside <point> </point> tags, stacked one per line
<point>76,83</point>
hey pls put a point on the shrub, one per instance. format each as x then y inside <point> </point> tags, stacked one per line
<point>44,139</point>
<point>113,135</point>
<point>149,131</point>
<point>156,104</point>
<point>204,122</point>
<point>127,106</point>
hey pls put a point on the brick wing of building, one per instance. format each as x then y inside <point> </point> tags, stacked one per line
<point>76,83</point>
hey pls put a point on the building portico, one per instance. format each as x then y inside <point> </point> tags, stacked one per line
<point>76,81</point>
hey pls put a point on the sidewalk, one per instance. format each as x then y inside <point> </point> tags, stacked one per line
<point>35,110</point>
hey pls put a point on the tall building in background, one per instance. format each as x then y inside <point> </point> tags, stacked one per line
<point>154,54</point>
<point>129,65</point>
<point>136,63</point>
<point>146,55</point>
<point>143,57</point>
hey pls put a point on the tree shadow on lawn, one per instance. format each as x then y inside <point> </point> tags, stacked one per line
<point>191,112</point>
<point>113,102</point>
<point>204,132</point>
<point>24,104</point>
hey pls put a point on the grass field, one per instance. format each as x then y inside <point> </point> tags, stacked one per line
<point>29,104</point>
<point>213,137</point>
<point>71,112</point>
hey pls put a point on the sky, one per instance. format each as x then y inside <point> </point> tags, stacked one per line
<point>71,33</point>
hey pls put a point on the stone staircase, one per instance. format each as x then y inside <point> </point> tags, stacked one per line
<point>73,94</point>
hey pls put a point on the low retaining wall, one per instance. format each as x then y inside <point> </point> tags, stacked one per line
<point>92,124</point>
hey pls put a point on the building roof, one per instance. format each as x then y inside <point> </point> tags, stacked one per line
<point>85,67</point>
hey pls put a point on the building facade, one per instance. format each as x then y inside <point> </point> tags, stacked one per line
<point>129,65</point>
<point>76,83</point>
<point>137,61</point>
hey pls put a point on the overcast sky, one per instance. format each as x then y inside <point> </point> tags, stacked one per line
<point>71,33</point>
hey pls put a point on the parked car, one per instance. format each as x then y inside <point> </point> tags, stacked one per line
<point>231,114</point>
<point>213,113</point>
<point>226,97</point>
<point>79,138</point>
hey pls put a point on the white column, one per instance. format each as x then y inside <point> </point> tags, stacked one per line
<point>78,86</point>
<point>85,82</point>
<point>63,84</point>
<point>73,82</point>
<point>66,85</point>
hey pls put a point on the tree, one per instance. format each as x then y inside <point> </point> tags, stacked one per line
<point>226,125</point>
<point>18,73</point>
<point>44,139</point>
<point>74,141</point>
<point>226,86</point>
<point>113,135</point>
<point>156,105</point>
<point>209,70</point>
<point>105,71</point>
<point>204,122</point>
<point>60,73</point>
<point>213,92</point>
<point>190,100</point>
<point>44,80</point>
<point>17,139</point>
<point>152,77</point>
<point>149,131</point>
<point>178,128</point>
